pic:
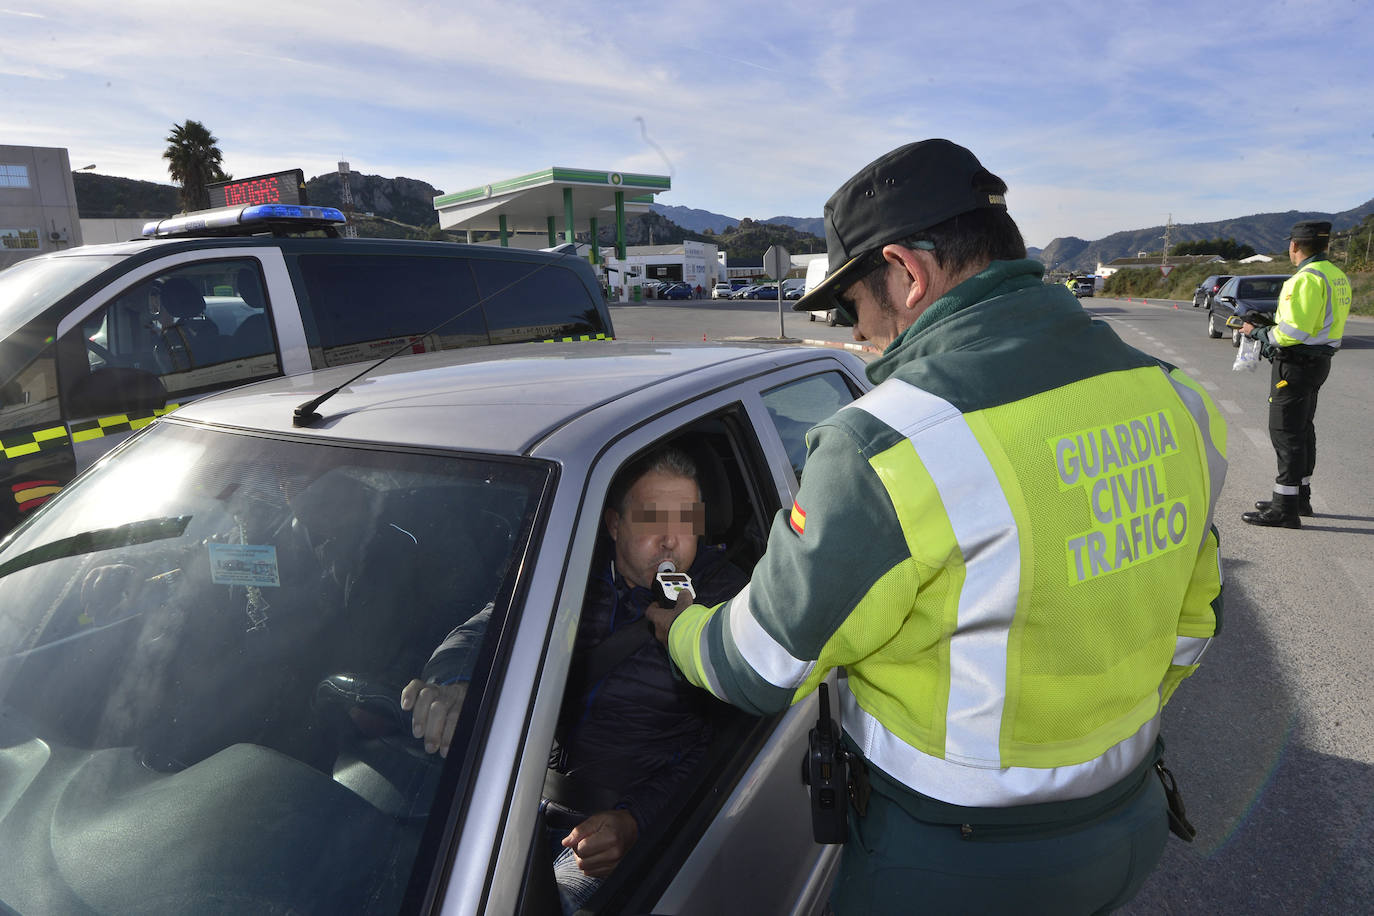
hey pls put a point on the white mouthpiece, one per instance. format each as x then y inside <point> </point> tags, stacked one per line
<point>667,566</point>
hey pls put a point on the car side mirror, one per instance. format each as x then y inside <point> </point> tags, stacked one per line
<point>1229,300</point>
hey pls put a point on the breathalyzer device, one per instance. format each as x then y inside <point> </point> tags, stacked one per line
<point>669,583</point>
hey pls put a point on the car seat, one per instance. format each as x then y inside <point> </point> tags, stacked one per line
<point>253,336</point>
<point>192,339</point>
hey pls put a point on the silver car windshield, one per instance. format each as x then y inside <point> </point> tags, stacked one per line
<point>202,646</point>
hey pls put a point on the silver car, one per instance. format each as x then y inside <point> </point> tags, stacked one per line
<point>203,638</point>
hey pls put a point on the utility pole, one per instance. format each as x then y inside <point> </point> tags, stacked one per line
<point>346,195</point>
<point>1168,233</point>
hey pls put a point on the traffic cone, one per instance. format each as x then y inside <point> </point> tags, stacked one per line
<point>703,338</point>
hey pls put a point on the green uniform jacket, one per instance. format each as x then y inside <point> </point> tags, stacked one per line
<point>1007,543</point>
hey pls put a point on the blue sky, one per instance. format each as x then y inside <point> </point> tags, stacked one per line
<point>1100,116</point>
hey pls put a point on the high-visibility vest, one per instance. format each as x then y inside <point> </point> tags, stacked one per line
<point>1313,306</point>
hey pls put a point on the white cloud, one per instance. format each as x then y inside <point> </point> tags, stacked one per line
<point>1101,118</point>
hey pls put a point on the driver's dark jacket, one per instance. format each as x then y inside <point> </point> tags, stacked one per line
<point>640,730</point>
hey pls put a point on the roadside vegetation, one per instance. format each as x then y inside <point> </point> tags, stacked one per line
<point>1352,251</point>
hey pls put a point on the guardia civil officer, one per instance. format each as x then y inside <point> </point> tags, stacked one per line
<point>1007,544</point>
<point>1309,323</point>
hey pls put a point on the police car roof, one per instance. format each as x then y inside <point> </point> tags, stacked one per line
<point>504,398</point>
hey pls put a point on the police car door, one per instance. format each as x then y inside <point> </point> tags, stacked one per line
<point>166,333</point>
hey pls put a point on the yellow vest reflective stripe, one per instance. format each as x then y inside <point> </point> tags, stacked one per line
<point>986,536</point>
<point>1313,306</point>
<point>984,787</point>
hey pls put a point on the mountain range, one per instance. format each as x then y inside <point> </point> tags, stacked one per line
<point>410,201</point>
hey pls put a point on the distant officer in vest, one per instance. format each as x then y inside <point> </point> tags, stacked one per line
<point>1007,545</point>
<point>1307,332</point>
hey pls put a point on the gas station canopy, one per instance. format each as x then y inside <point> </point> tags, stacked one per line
<point>543,201</point>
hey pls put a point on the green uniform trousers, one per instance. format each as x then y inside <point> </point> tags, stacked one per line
<point>896,864</point>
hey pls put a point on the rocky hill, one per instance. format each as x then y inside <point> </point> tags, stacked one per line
<point>1265,232</point>
<point>401,203</point>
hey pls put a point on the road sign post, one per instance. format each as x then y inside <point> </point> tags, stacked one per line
<point>777,262</point>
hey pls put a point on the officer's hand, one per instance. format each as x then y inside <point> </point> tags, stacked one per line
<point>601,841</point>
<point>433,712</point>
<point>1247,328</point>
<point>663,617</point>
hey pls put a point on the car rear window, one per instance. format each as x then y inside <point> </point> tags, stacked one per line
<point>526,300</point>
<point>1267,288</point>
<point>364,306</point>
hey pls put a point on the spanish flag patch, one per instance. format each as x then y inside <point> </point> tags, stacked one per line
<point>798,518</point>
<point>33,493</point>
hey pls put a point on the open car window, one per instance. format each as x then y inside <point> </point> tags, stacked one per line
<point>200,660</point>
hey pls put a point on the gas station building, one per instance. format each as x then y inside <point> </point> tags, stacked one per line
<point>552,205</point>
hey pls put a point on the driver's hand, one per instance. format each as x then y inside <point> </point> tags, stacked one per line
<point>105,588</point>
<point>601,841</point>
<point>433,712</point>
<point>663,617</point>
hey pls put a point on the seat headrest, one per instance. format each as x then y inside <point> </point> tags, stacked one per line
<point>180,299</point>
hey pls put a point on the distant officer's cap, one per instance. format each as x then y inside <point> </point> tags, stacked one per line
<point>911,188</point>
<point>1310,230</point>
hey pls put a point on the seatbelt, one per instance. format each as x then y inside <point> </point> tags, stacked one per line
<point>611,651</point>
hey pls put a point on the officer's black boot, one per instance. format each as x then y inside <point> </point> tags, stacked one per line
<point>1304,501</point>
<point>1282,512</point>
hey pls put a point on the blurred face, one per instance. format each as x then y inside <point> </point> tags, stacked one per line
<point>664,516</point>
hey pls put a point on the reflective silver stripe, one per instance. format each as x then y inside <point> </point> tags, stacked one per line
<point>1324,335</point>
<point>989,787</point>
<point>1216,461</point>
<point>708,668</point>
<point>1285,489</point>
<point>990,546</point>
<point>1188,649</point>
<point>759,649</point>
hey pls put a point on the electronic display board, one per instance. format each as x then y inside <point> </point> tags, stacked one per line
<point>277,188</point>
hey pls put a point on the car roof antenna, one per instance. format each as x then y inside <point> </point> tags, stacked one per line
<point>306,414</point>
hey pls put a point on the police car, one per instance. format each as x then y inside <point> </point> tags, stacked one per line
<point>97,341</point>
<point>205,635</point>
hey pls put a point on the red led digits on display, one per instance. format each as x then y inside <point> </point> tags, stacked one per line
<point>257,191</point>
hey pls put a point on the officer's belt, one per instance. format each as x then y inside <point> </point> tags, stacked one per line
<point>1304,353</point>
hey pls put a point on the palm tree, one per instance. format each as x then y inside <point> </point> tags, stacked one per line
<point>194,160</point>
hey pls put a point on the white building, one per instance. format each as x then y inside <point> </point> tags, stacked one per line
<point>37,203</point>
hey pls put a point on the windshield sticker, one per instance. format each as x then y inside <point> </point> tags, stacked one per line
<point>244,564</point>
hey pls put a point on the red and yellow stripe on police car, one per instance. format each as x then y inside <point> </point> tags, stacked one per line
<point>33,493</point>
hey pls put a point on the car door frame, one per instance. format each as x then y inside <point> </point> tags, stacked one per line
<point>487,868</point>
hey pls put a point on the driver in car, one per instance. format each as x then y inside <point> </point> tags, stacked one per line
<point>629,739</point>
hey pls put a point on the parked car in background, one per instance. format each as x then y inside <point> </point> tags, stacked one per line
<point>676,291</point>
<point>1257,294</point>
<point>205,637</point>
<point>762,292</point>
<point>1202,296</point>
<point>794,293</point>
<point>743,291</point>
<point>721,291</point>
<point>98,340</point>
<point>1084,287</point>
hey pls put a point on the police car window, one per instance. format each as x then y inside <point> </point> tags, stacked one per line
<point>362,307</point>
<point>800,405</point>
<point>531,301</point>
<point>28,397</point>
<point>198,328</point>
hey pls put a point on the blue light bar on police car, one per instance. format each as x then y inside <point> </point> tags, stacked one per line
<point>247,219</point>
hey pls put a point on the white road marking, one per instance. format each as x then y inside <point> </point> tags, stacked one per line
<point>1209,385</point>
<point>1258,436</point>
<point>1230,406</point>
